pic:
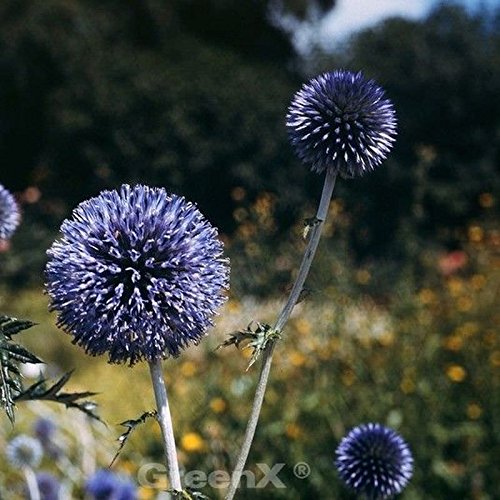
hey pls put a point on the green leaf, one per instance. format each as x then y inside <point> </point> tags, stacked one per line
<point>10,355</point>
<point>42,391</point>
<point>257,339</point>
<point>19,353</point>
<point>10,326</point>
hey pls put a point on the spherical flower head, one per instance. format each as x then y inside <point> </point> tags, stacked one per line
<point>375,461</point>
<point>138,274</point>
<point>342,121</point>
<point>9,214</point>
<point>24,451</point>
<point>44,429</point>
<point>107,485</point>
<point>48,486</point>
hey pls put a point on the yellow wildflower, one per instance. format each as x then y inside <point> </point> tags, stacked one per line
<point>453,343</point>
<point>476,234</point>
<point>192,442</point>
<point>188,369</point>
<point>456,373</point>
<point>293,431</point>
<point>474,411</point>
<point>297,358</point>
<point>218,405</point>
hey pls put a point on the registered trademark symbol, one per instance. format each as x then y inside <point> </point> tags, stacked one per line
<point>301,470</point>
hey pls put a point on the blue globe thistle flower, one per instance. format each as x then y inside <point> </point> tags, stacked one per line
<point>48,486</point>
<point>374,460</point>
<point>9,214</point>
<point>44,429</point>
<point>138,274</point>
<point>107,485</point>
<point>24,451</point>
<point>342,121</point>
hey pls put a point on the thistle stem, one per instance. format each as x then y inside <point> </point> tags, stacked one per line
<point>267,356</point>
<point>165,421</point>
<point>29,475</point>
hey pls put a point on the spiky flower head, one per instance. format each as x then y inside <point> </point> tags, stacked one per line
<point>24,451</point>
<point>107,485</point>
<point>138,274</point>
<point>9,214</point>
<point>342,121</point>
<point>375,461</point>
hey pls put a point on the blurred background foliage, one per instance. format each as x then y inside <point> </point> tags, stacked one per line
<point>192,95</point>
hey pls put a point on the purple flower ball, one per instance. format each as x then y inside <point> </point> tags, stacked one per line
<point>342,121</point>
<point>375,461</point>
<point>138,274</point>
<point>107,485</point>
<point>44,429</point>
<point>9,214</point>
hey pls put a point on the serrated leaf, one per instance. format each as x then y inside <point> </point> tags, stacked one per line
<point>10,326</point>
<point>11,388</point>
<point>19,353</point>
<point>257,339</point>
<point>10,355</point>
<point>40,391</point>
<point>131,425</point>
<point>188,494</point>
<point>309,223</point>
<point>14,384</point>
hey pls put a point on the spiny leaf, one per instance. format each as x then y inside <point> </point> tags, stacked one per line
<point>10,355</point>
<point>19,353</point>
<point>11,388</point>
<point>131,426</point>
<point>188,494</point>
<point>257,339</point>
<point>6,394</point>
<point>41,391</point>
<point>309,223</point>
<point>10,326</point>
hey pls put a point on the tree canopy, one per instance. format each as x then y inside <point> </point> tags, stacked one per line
<point>192,95</point>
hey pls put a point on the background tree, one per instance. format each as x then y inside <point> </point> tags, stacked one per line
<point>192,95</point>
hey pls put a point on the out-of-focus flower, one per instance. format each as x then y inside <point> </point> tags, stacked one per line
<point>44,429</point>
<point>107,485</point>
<point>192,442</point>
<point>375,461</point>
<point>218,405</point>
<point>474,411</point>
<point>342,121</point>
<point>456,373</point>
<point>293,431</point>
<point>24,451</point>
<point>31,195</point>
<point>138,274</point>
<point>48,486</point>
<point>452,262</point>
<point>9,214</point>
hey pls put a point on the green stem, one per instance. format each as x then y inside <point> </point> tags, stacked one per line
<point>267,357</point>
<point>165,421</point>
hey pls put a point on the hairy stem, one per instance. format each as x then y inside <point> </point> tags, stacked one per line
<point>267,357</point>
<point>165,421</point>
